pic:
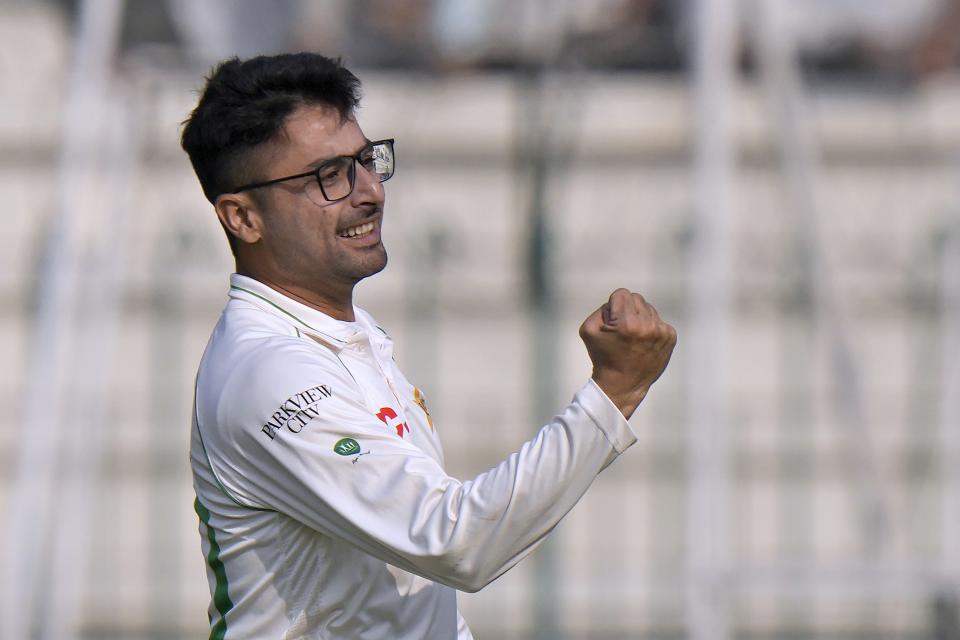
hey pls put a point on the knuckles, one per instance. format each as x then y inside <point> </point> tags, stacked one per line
<point>648,330</point>
<point>636,321</point>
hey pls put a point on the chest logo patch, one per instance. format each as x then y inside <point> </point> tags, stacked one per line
<point>422,403</point>
<point>389,417</point>
<point>346,447</point>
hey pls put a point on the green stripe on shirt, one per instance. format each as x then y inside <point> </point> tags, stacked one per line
<point>273,304</point>
<point>221,599</point>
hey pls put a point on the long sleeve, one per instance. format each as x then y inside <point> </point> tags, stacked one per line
<point>295,435</point>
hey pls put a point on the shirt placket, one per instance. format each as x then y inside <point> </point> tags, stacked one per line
<point>364,349</point>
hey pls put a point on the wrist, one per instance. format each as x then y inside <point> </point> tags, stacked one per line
<point>626,399</point>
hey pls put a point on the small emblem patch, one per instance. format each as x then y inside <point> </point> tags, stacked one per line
<point>347,447</point>
<point>422,403</point>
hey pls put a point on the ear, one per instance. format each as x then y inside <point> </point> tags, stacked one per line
<point>240,216</point>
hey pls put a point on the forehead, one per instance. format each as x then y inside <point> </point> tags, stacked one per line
<point>317,132</point>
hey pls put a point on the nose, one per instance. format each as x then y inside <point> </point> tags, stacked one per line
<point>368,188</point>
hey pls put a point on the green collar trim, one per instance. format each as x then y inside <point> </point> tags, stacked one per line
<point>274,305</point>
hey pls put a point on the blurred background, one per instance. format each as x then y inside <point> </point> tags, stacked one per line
<point>781,178</point>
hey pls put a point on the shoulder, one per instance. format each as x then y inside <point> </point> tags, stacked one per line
<point>260,369</point>
<point>249,342</point>
<point>268,389</point>
<point>254,363</point>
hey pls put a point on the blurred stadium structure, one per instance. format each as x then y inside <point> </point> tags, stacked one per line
<point>780,177</point>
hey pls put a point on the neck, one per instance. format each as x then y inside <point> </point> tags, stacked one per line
<point>336,304</point>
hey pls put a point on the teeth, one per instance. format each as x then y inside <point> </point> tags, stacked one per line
<point>360,230</point>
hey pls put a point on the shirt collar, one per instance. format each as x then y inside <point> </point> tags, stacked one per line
<point>316,324</point>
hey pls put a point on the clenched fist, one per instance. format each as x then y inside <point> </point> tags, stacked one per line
<point>629,346</point>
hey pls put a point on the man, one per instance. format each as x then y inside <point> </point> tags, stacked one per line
<point>324,506</point>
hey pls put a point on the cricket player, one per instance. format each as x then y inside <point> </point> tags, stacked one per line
<point>325,510</point>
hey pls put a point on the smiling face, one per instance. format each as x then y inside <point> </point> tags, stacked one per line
<point>290,237</point>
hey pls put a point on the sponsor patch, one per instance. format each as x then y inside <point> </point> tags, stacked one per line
<point>296,411</point>
<point>346,447</point>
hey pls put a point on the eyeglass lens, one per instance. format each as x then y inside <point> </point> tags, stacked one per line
<point>337,177</point>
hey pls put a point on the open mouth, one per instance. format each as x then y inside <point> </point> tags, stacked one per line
<point>358,231</point>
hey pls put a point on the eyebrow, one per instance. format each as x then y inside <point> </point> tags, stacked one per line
<point>316,164</point>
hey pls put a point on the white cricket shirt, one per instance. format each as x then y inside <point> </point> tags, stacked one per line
<point>325,511</point>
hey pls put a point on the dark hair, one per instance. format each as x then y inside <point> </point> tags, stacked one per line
<point>245,103</point>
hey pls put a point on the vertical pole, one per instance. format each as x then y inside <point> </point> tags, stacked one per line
<point>166,445</point>
<point>31,517</point>
<point>533,154</point>
<point>797,340</point>
<point>946,617</point>
<point>96,321</point>
<point>778,57</point>
<point>708,538</point>
<point>537,156</point>
<point>950,413</point>
<point>423,312</point>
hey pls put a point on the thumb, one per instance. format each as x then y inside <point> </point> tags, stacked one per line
<point>620,303</point>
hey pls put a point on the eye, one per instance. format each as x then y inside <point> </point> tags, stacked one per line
<point>330,173</point>
<point>334,170</point>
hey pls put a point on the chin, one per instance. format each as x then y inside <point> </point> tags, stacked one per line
<point>374,265</point>
<point>381,265</point>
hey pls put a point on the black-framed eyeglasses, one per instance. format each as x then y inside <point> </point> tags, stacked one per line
<point>337,177</point>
